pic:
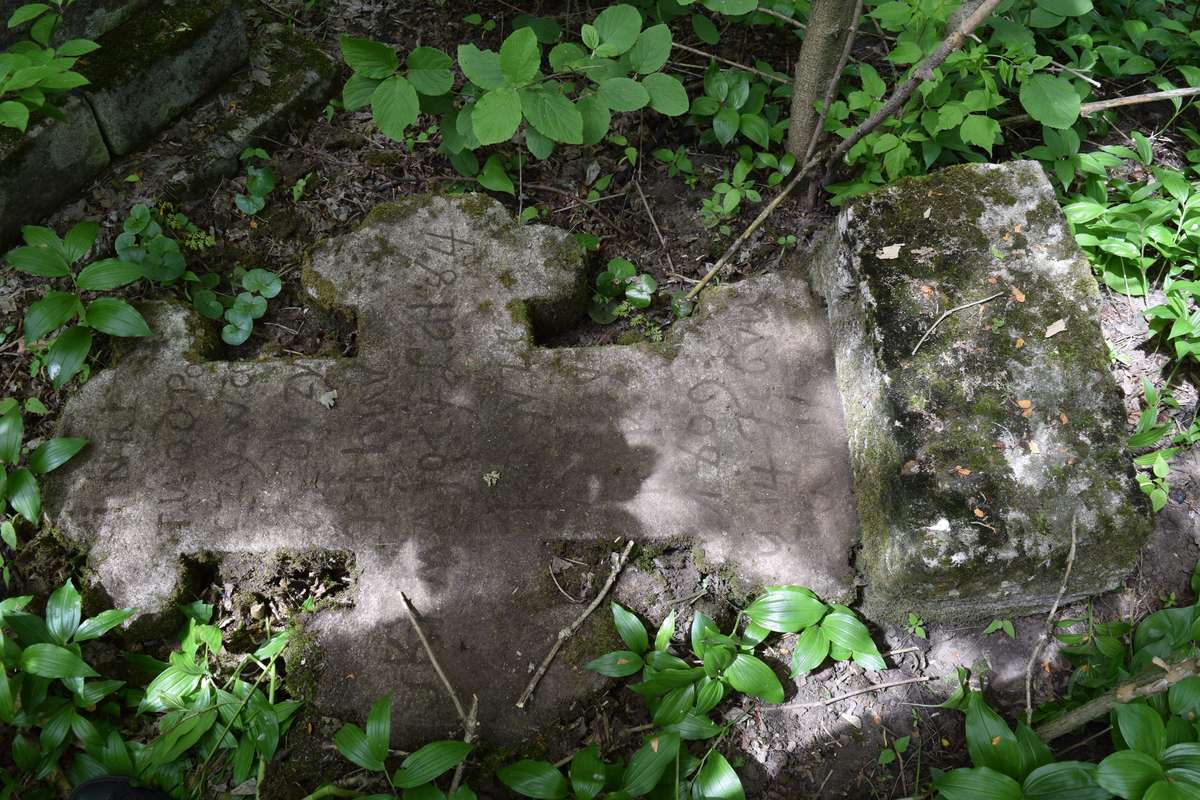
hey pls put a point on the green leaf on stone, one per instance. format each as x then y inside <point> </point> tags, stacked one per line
<point>429,762</point>
<point>49,314</point>
<point>351,742</point>
<point>617,664</point>
<point>379,727</point>
<point>520,57</point>
<point>482,67</point>
<point>367,58</point>
<point>552,114</point>
<point>395,106</point>
<point>662,639</point>
<point>630,629</point>
<point>538,779</point>
<point>497,115</point>
<point>623,94</point>
<point>67,355</point>
<point>640,291</point>
<point>493,176</point>
<point>116,317</point>
<point>53,453</point>
<point>786,609</point>
<point>264,282</point>
<point>429,71</point>
<point>102,623</point>
<point>667,95</point>
<point>1051,100</point>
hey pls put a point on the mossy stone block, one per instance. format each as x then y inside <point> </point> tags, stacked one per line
<point>158,63</point>
<point>45,167</point>
<point>976,454</point>
<point>83,19</point>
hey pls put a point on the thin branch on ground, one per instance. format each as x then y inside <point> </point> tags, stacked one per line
<point>567,632</point>
<point>1088,109</point>
<point>469,737</point>
<point>666,249</point>
<point>875,687</point>
<point>437,667</point>
<point>1077,74</point>
<point>790,20</point>
<point>1048,630</point>
<point>561,590</point>
<point>757,72</point>
<point>1145,685</point>
<point>946,314</point>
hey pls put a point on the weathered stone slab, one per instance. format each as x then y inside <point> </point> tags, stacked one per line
<point>730,435</point>
<point>160,62</point>
<point>972,457</point>
<point>40,170</point>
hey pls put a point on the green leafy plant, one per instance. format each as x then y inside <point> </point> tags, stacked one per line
<point>894,753</point>
<point>143,242</point>
<point>735,104</point>
<point>1004,626</point>
<point>916,626</point>
<point>260,181</point>
<point>21,466</point>
<point>33,73</point>
<point>417,774</point>
<point>48,256</point>
<point>618,288</point>
<point>258,285</point>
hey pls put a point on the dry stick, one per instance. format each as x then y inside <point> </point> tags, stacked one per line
<point>758,72</point>
<point>794,22</point>
<point>954,310</point>
<point>468,737</point>
<point>875,687</point>
<point>649,213</point>
<point>893,104</point>
<point>1145,685</point>
<point>412,615</point>
<point>1045,637</point>
<point>1100,105</point>
<point>567,632</point>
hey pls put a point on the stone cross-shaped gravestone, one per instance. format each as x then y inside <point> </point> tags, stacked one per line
<point>730,435</point>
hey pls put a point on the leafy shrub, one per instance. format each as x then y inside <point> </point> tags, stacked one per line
<point>260,181</point>
<point>19,487</point>
<point>32,72</point>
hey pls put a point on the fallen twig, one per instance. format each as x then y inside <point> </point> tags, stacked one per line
<point>561,590</point>
<point>791,21</point>
<point>1144,685</point>
<point>1088,109</point>
<point>757,72</point>
<point>875,687</point>
<point>1049,629</point>
<point>468,737</point>
<point>567,632</point>
<point>666,250</point>
<point>954,310</point>
<point>437,667</point>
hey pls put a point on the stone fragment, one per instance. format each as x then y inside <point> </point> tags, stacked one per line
<point>973,456</point>
<point>160,62</point>
<point>459,453</point>
<point>46,166</point>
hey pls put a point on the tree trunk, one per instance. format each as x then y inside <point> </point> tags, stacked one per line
<point>820,53</point>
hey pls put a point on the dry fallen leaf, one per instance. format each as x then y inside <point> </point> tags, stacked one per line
<point>928,211</point>
<point>979,513</point>
<point>909,467</point>
<point>1062,418</point>
<point>1018,295</point>
<point>1033,448</point>
<point>962,471</point>
<point>1056,327</point>
<point>889,252</point>
<point>1025,403</point>
<point>1019,343</point>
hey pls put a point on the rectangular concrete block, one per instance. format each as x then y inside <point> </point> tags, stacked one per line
<point>158,63</point>
<point>42,169</point>
<point>974,456</point>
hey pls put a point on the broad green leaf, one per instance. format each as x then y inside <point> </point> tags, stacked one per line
<point>751,676</point>
<point>429,762</point>
<point>704,29</point>
<point>352,743</point>
<point>674,706</point>
<point>709,693</point>
<point>1051,100</point>
<point>23,495</point>
<point>102,623</point>
<point>116,317</point>
<point>695,727</point>
<point>80,239</point>
<point>357,91</point>
<point>497,115</point>
<point>369,59</point>
<point>52,661</point>
<point>725,124</point>
<point>394,106</point>
<point>429,71</point>
<point>1174,789</point>
<point>977,784</point>
<point>979,130</point>
<point>27,12</point>
<point>755,128</point>
<point>990,741</point>
<point>482,67</point>
<point>63,610</point>
<point>845,630</point>
<point>667,95</point>
<point>1141,727</point>
<point>651,50</point>
<point>538,779</point>
<point>1128,773</point>
<point>49,314</point>
<point>74,48</point>
<point>552,115</point>
<point>702,628</point>
<point>596,118</point>
<point>630,629</point>
<point>623,94</point>
<point>12,430</point>
<point>494,177</point>
<point>618,664</point>
<point>1066,780</point>
<point>662,639</point>
<point>717,780</point>
<point>786,609</point>
<point>520,57</point>
<point>810,651</point>
<point>587,773</point>
<point>38,261</point>
<point>618,27</point>
<point>648,764</point>
<point>14,115</point>
<point>108,273</point>
<point>1066,8</point>
<point>263,282</point>
<point>639,293</point>
<point>379,728</point>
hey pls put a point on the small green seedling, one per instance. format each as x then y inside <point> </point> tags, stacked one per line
<point>143,242</point>
<point>259,285</point>
<point>916,626</point>
<point>20,467</point>
<point>1004,625</point>
<point>260,181</point>
<point>893,753</point>
<point>620,285</point>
